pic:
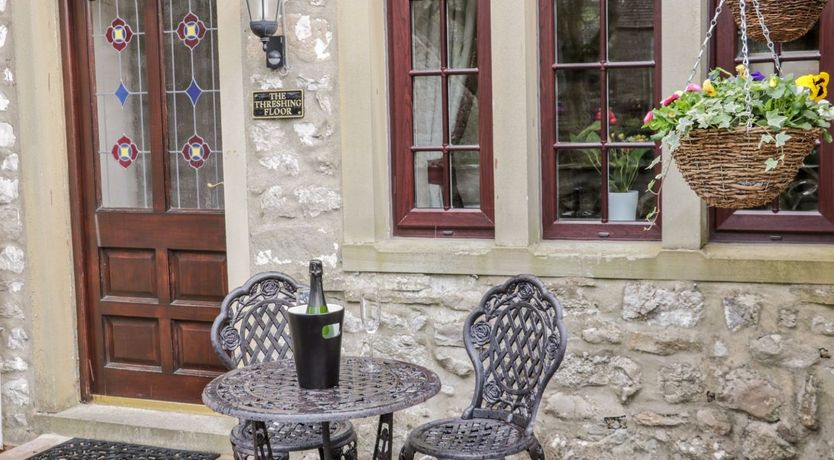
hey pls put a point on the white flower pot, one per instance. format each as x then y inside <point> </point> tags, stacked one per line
<point>622,206</point>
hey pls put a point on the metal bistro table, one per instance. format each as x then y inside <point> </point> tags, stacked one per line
<point>269,392</point>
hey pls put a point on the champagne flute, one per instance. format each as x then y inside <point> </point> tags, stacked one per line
<point>371,312</point>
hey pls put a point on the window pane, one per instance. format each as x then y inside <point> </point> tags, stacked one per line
<point>463,109</point>
<point>803,193</point>
<point>425,34</point>
<point>462,33</point>
<point>630,30</point>
<point>428,180</point>
<point>428,111</point>
<point>122,104</point>
<point>577,30</point>
<point>466,180</point>
<point>628,179</point>
<point>577,105</point>
<point>808,42</point>
<point>630,97</point>
<point>195,155</point>
<point>579,177</point>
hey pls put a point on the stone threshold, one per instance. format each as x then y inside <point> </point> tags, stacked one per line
<point>164,428</point>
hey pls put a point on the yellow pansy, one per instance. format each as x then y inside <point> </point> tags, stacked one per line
<point>817,84</point>
<point>709,88</point>
<point>741,71</point>
<point>774,81</point>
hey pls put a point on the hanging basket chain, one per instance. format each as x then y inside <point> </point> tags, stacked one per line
<point>745,60</point>
<point>766,32</point>
<point>710,32</point>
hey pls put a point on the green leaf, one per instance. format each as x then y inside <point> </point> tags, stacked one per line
<point>775,120</point>
<point>771,164</point>
<point>782,138</point>
<point>827,136</point>
<point>766,139</point>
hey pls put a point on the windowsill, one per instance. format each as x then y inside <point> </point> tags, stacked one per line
<point>789,264</point>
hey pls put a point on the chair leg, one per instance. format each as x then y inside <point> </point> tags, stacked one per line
<point>535,451</point>
<point>407,452</point>
<point>321,453</point>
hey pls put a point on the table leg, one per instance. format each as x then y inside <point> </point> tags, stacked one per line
<point>260,435</point>
<point>326,446</point>
<point>384,437</point>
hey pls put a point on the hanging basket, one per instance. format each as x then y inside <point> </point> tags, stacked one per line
<point>726,168</point>
<point>787,20</point>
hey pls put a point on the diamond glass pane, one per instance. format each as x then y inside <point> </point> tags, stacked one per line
<point>195,150</point>
<point>118,36</point>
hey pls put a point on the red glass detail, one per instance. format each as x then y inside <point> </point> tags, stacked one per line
<point>125,151</point>
<point>119,34</point>
<point>191,30</point>
<point>196,151</point>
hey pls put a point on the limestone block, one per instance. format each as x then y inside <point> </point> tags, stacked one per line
<point>11,226</point>
<point>822,295</point>
<point>274,202</point>
<point>664,343</point>
<point>806,402</point>
<point>603,333</point>
<point>788,318</point>
<point>681,305</point>
<point>454,360</point>
<point>316,200</point>
<point>7,137</point>
<point>9,190</point>
<point>681,383</point>
<point>704,446</point>
<point>584,406</point>
<point>16,364</point>
<point>4,102</point>
<point>761,441</point>
<point>820,325</point>
<point>777,350</point>
<point>11,310</point>
<point>448,328</point>
<point>311,38</point>
<point>653,419</point>
<point>747,390</point>
<point>12,161</point>
<point>621,374</point>
<point>17,339</point>
<point>742,310</point>
<point>285,164</point>
<point>714,420</point>
<point>16,392</point>
<point>12,259</point>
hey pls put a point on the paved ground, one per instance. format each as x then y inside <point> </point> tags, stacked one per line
<point>43,443</point>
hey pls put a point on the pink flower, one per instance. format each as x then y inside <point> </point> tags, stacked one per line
<point>693,88</point>
<point>674,97</point>
<point>648,118</point>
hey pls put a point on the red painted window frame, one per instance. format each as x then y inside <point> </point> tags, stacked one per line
<point>553,228</point>
<point>446,223</point>
<point>785,226</point>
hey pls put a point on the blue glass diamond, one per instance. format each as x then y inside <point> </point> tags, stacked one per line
<point>122,93</point>
<point>194,92</point>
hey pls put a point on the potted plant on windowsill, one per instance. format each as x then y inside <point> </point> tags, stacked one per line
<point>624,166</point>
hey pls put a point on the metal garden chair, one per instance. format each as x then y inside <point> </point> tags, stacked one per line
<point>252,328</point>
<point>516,339</point>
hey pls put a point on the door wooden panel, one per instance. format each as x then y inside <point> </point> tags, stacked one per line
<point>128,273</point>
<point>147,170</point>
<point>132,342</point>
<point>198,277</point>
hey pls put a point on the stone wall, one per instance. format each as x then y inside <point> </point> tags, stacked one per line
<point>654,369</point>
<point>15,376</point>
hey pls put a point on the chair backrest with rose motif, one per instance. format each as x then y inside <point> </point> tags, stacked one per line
<point>516,339</point>
<point>252,325</point>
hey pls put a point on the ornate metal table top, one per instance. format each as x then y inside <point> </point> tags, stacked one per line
<point>367,387</point>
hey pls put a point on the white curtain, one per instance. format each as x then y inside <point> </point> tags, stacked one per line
<point>428,99</point>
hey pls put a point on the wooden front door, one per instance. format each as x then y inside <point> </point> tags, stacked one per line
<point>147,174</point>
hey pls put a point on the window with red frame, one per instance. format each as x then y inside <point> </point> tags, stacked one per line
<point>441,118</point>
<point>600,76</point>
<point>805,211</point>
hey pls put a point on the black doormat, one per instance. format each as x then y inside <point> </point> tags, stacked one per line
<point>90,449</point>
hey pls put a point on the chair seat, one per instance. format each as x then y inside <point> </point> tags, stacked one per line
<point>476,438</point>
<point>292,437</point>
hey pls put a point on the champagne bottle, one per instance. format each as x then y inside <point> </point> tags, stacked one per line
<point>316,304</point>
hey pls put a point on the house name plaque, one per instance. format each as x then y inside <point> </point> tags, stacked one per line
<point>278,104</point>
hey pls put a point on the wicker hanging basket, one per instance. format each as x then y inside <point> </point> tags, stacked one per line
<point>787,20</point>
<point>726,168</point>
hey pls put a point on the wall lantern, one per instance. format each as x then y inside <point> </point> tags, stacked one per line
<point>263,21</point>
